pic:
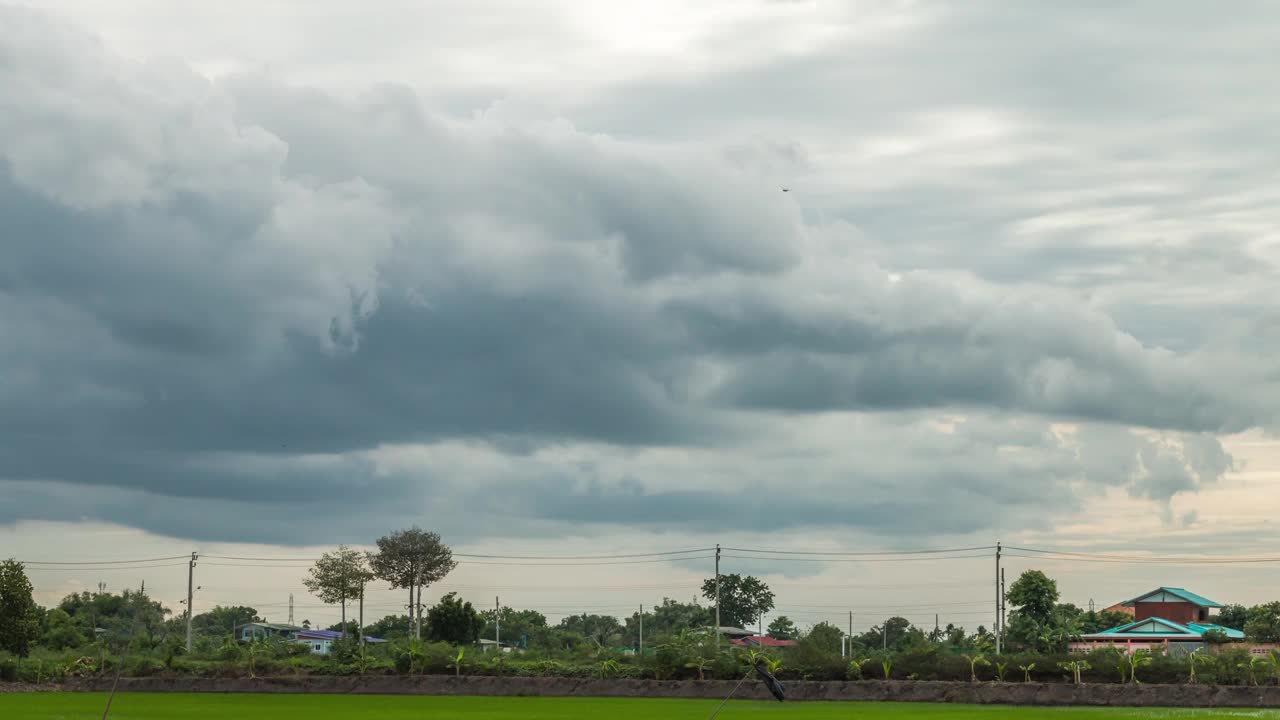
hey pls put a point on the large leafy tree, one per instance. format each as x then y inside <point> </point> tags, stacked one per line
<point>896,633</point>
<point>19,614</point>
<point>339,576</point>
<point>1035,595</point>
<point>743,598</point>
<point>391,627</point>
<point>412,559</point>
<point>1263,624</point>
<point>514,623</point>
<point>782,629</point>
<point>672,616</point>
<point>453,621</point>
<point>60,631</point>
<point>823,637</point>
<point>601,630</point>
<point>221,620</point>
<point>1232,616</point>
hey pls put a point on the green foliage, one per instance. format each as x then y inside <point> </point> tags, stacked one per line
<point>974,661</point>
<point>339,576</point>
<point>453,621</point>
<point>1026,671</point>
<point>1263,624</point>
<point>222,620</point>
<point>743,598</point>
<point>1137,659</point>
<point>516,624</point>
<point>1034,595</point>
<point>1215,636</point>
<point>601,630</point>
<point>1232,616</point>
<point>19,614</point>
<point>391,627</point>
<point>887,666</point>
<point>782,629</point>
<point>855,668</point>
<point>823,637</point>
<point>60,631</point>
<point>1076,668</point>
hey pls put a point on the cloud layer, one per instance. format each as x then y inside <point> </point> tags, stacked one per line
<point>266,295</point>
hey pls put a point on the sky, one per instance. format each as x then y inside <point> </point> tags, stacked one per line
<point>283,275</point>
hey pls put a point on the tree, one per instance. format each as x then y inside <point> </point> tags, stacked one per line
<point>823,637</point>
<point>19,614</point>
<point>601,630</point>
<point>391,627</point>
<point>339,576</point>
<point>1263,624</point>
<point>1232,616</point>
<point>782,629</point>
<point>60,631</point>
<point>515,623</point>
<point>1035,595</point>
<point>453,621</point>
<point>221,620</point>
<point>672,616</point>
<point>896,633</point>
<point>1038,622</point>
<point>743,598</point>
<point>412,559</point>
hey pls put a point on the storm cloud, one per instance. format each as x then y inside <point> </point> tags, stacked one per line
<point>263,294</point>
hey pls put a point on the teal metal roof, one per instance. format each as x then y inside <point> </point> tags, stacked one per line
<point>1180,592</point>
<point>1161,628</point>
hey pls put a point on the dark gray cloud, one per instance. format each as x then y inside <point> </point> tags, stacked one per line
<point>252,294</point>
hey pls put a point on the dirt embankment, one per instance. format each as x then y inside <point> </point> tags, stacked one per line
<point>893,691</point>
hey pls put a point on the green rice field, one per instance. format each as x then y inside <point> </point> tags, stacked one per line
<point>173,706</point>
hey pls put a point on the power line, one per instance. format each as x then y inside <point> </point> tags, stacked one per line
<point>101,562</point>
<point>857,560</point>
<point>867,553</point>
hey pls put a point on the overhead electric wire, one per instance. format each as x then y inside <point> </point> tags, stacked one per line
<point>867,553</point>
<point>103,562</point>
<point>1135,559</point>
<point>932,558</point>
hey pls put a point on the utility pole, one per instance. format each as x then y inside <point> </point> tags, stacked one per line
<point>497,622</point>
<point>642,630</point>
<point>1003,602</point>
<point>191,576</point>
<point>360,629</point>
<point>290,608</point>
<point>999,598</point>
<point>884,633</point>
<point>850,632</point>
<point>717,594</point>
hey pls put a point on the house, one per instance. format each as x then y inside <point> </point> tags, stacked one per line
<point>264,631</point>
<point>1167,619</point>
<point>321,641</point>
<point>486,645</point>
<point>762,641</point>
<point>733,633</point>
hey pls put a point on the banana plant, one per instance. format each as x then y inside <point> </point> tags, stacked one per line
<point>458,661</point>
<point>1136,660</point>
<point>607,668</point>
<point>1000,671</point>
<point>1076,667</point>
<point>1026,672</point>
<point>974,661</point>
<point>855,668</point>
<point>700,664</point>
<point>773,665</point>
<point>887,666</point>
<point>1197,658</point>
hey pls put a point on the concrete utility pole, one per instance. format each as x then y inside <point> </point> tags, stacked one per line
<point>497,622</point>
<point>1004,604</point>
<point>642,629</point>
<point>717,593</point>
<point>290,608</point>
<point>850,632</point>
<point>191,576</point>
<point>999,598</point>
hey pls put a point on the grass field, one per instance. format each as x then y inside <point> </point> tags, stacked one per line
<point>164,706</point>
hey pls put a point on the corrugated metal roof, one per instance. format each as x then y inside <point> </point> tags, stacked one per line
<point>1162,628</point>
<point>1179,592</point>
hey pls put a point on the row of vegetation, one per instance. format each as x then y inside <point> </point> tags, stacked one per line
<point>90,634</point>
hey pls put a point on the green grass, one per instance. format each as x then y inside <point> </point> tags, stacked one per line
<point>165,706</point>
